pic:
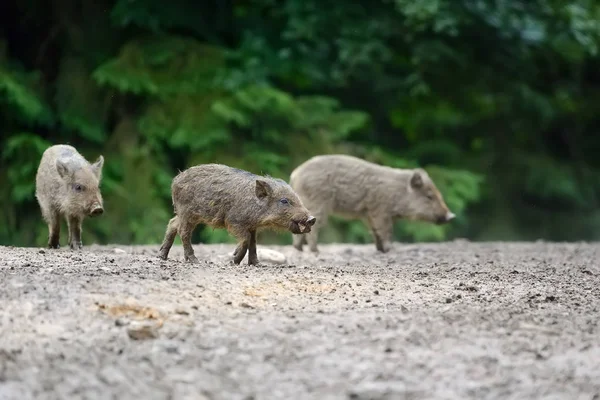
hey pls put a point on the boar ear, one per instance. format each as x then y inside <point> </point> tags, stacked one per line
<point>97,167</point>
<point>263,189</point>
<point>62,168</point>
<point>416,181</point>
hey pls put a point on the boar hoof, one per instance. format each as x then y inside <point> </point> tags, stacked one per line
<point>76,246</point>
<point>192,259</point>
<point>257,264</point>
<point>53,246</point>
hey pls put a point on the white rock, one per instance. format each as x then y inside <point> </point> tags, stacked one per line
<point>120,251</point>
<point>270,256</point>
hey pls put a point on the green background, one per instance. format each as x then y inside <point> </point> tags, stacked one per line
<point>498,100</point>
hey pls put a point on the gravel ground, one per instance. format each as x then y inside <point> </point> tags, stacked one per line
<point>455,320</point>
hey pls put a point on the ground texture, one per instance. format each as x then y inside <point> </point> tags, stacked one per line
<point>434,321</point>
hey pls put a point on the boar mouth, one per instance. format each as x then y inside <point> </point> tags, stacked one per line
<point>302,226</point>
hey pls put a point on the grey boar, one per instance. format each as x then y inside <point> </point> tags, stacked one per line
<point>239,201</point>
<point>357,189</point>
<point>67,185</point>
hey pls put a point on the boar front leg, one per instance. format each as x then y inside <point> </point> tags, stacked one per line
<point>252,257</point>
<point>185,233</point>
<point>313,236</point>
<point>53,220</point>
<point>298,241</point>
<point>382,228</point>
<point>75,233</point>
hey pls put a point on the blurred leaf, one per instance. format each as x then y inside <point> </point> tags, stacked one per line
<point>20,93</point>
<point>81,106</point>
<point>23,151</point>
<point>162,65</point>
<point>184,122</point>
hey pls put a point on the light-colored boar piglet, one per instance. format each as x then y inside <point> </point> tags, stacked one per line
<point>239,201</point>
<point>357,189</point>
<point>67,185</point>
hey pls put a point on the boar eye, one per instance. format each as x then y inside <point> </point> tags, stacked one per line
<point>430,196</point>
<point>78,188</point>
<point>284,201</point>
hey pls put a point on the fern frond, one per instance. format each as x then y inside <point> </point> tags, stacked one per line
<point>162,65</point>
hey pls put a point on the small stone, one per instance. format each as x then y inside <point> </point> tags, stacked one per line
<point>42,251</point>
<point>142,332</point>
<point>270,256</point>
<point>246,305</point>
<point>119,251</point>
<point>376,292</point>
<point>181,311</point>
<point>448,300</point>
<point>121,322</point>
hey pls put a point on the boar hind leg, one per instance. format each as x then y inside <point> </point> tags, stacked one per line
<point>185,232</point>
<point>240,252</point>
<point>382,228</point>
<point>53,220</point>
<point>172,228</point>
<point>244,238</point>
<point>74,233</point>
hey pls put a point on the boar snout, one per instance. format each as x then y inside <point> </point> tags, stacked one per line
<point>449,216</point>
<point>303,226</point>
<point>96,210</point>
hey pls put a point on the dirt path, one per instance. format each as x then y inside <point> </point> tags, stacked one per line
<point>444,321</point>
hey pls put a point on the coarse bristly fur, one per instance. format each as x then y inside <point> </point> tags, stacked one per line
<point>67,185</point>
<point>357,189</point>
<point>239,201</point>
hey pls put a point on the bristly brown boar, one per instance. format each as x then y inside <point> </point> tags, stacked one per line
<point>354,188</point>
<point>67,185</point>
<point>239,201</point>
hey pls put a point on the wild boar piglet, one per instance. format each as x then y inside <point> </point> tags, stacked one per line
<point>239,201</point>
<point>67,185</point>
<point>357,189</point>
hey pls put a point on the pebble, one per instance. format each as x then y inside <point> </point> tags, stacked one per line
<point>142,332</point>
<point>270,256</point>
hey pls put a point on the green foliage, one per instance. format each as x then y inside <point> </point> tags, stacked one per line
<point>24,151</point>
<point>81,105</point>
<point>162,65</point>
<point>184,122</point>
<point>496,99</point>
<point>20,96</point>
